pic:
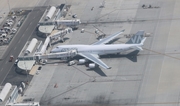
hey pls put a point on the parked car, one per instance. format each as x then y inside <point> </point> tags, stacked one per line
<point>16,61</point>
<point>4,35</point>
<point>14,30</point>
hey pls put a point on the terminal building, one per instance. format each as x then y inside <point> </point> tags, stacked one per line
<point>35,53</point>
<point>48,27</point>
<point>53,18</point>
<point>9,96</point>
<point>53,27</point>
<point>26,56</point>
<point>46,23</point>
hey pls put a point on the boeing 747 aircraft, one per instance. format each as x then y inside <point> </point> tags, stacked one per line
<point>92,52</point>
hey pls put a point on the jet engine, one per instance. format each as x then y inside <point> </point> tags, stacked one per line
<point>82,61</point>
<point>92,65</point>
<point>71,63</point>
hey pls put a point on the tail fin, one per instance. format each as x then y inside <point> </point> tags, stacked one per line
<point>136,39</point>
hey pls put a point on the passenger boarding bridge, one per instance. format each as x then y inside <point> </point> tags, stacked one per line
<point>62,22</point>
<point>59,36</point>
<point>61,55</point>
<point>35,51</point>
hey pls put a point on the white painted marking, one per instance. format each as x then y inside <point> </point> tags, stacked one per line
<point>19,41</point>
<point>15,48</point>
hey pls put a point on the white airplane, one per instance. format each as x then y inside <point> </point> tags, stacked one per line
<point>92,52</point>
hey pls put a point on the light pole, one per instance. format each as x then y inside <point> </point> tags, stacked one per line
<point>26,71</point>
<point>8,5</point>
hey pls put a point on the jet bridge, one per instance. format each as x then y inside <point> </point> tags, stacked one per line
<point>61,55</point>
<point>62,22</point>
<point>59,36</point>
<point>68,22</point>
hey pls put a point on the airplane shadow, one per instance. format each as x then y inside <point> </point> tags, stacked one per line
<point>98,71</point>
<point>132,56</point>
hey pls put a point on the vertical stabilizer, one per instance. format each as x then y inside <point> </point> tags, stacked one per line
<point>136,39</point>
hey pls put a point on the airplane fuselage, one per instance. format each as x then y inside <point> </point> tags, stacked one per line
<point>96,49</point>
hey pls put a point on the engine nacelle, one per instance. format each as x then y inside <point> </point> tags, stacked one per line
<point>92,65</point>
<point>82,61</point>
<point>100,39</point>
<point>71,63</point>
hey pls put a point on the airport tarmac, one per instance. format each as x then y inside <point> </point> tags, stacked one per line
<point>151,81</point>
<point>25,33</point>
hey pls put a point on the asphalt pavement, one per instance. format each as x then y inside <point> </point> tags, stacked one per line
<point>24,33</point>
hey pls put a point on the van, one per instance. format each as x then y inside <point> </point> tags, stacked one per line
<point>16,61</point>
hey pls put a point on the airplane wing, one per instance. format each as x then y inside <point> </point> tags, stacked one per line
<point>107,39</point>
<point>93,58</point>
